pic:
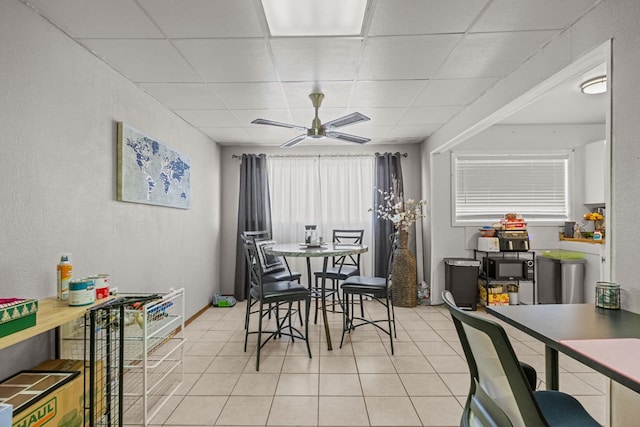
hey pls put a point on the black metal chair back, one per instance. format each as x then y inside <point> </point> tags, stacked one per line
<point>349,237</point>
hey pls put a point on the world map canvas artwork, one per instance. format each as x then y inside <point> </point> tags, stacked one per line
<point>151,172</point>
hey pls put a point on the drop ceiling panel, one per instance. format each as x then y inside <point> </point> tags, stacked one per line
<point>336,94</point>
<point>304,116</point>
<point>519,15</point>
<point>250,95</point>
<point>229,60</point>
<point>184,95</point>
<point>453,91</point>
<point>489,55</point>
<point>144,60</point>
<point>209,118</point>
<point>313,59</point>
<point>383,116</point>
<point>405,57</point>
<point>374,94</point>
<point>368,130</point>
<point>393,17</point>
<point>429,115</point>
<point>222,135</point>
<point>99,18</point>
<point>416,53</point>
<point>415,131</point>
<point>245,117</point>
<point>273,133</point>
<point>204,18</point>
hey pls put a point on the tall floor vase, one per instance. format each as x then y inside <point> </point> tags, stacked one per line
<point>404,274</point>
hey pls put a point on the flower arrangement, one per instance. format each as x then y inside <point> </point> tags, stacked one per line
<point>403,214</point>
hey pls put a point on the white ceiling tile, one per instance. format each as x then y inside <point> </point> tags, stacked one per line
<point>273,132</point>
<point>304,116</point>
<point>415,131</point>
<point>184,95</point>
<point>312,59</point>
<point>250,95</point>
<point>390,94</point>
<point>245,117</point>
<point>336,94</point>
<point>424,16</point>
<point>405,57</point>
<point>204,18</point>
<point>228,134</point>
<point>209,118</point>
<point>519,15</point>
<point>453,91</point>
<point>144,60</point>
<point>491,55</point>
<point>368,130</point>
<point>382,116</point>
<point>429,115</point>
<point>173,48</point>
<point>229,60</point>
<point>99,18</point>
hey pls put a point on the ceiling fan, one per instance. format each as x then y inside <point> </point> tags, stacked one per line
<point>321,130</point>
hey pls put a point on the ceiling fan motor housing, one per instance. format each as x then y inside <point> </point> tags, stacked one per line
<point>316,130</point>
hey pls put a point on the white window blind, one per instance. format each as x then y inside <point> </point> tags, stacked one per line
<point>486,187</point>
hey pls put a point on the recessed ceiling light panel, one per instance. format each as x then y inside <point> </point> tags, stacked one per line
<point>288,18</point>
<point>594,86</point>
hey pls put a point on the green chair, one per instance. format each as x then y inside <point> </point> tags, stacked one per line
<point>501,392</point>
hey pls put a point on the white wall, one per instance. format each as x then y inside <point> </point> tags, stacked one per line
<point>58,111</point>
<point>411,171</point>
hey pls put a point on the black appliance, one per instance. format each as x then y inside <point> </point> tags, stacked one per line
<point>509,269</point>
<point>461,279</point>
<point>513,240</point>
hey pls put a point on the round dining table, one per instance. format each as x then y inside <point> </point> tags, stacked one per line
<point>325,251</point>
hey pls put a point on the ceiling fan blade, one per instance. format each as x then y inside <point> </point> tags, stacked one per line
<point>349,138</point>
<point>346,120</point>
<point>294,141</point>
<point>280,124</point>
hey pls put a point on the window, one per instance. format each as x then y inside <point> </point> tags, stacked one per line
<point>486,186</point>
<point>333,192</point>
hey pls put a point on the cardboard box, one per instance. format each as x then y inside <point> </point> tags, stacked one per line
<point>44,397</point>
<point>16,315</point>
<point>493,297</point>
<point>499,299</point>
<point>79,365</point>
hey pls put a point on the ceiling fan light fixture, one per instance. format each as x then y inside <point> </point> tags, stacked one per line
<point>287,18</point>
<point>594,86</point>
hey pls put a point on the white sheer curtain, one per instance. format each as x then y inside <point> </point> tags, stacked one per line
<point>331,192</point>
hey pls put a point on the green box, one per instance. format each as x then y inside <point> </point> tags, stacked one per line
<point>16,316</point>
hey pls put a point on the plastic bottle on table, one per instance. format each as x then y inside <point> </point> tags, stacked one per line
<point>64,271</point>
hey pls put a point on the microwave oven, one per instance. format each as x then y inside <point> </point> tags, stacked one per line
<point>509,269</point>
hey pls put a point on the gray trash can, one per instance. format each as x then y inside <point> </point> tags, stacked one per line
<point>461,279</point>
<point>560,281</point>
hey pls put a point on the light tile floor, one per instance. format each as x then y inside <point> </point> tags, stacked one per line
<point>361,384</point>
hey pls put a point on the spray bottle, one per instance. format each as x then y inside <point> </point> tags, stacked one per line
<point>64,277</point>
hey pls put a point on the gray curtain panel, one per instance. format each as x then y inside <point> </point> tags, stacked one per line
<point>387,168</point>
<point>254,211</point>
